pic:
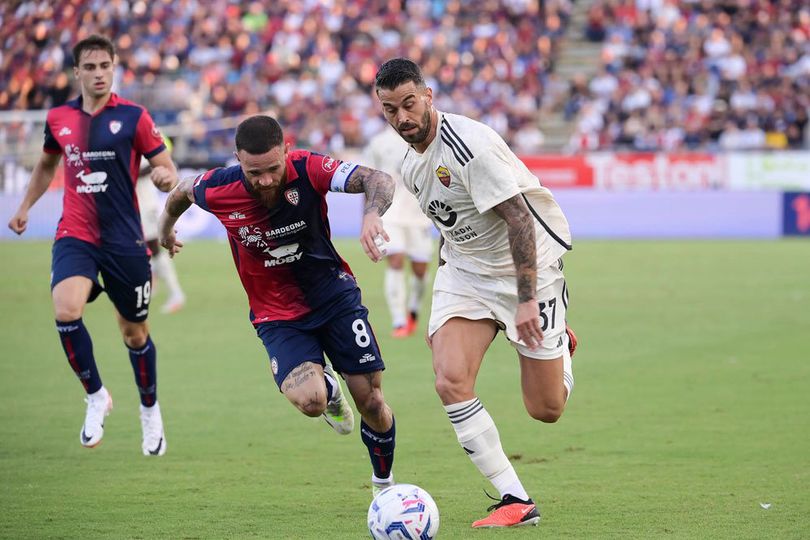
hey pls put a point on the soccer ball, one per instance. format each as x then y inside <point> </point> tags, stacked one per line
<point>403,512</point>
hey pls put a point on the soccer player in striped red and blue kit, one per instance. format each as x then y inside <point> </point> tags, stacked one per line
<point>304,301</point>
<point>102,138</point>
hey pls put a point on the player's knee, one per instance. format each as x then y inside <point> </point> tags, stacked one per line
<point>135,336</point>
<point>64,313</point>
<point>312,406</point>
<point>451,390</point>
<point>372,404</point>
<point>546,412</point>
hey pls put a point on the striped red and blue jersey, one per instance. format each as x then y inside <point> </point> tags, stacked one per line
<point>102,153</point>
<point>284,254</point>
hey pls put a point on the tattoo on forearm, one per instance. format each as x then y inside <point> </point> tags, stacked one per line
<point>177,202</point>
<point>377,185</point>
<point>522,244</point>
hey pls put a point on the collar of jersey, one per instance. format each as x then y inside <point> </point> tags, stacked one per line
<point>112,102</point>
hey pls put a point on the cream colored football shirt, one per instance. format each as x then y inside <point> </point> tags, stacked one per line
<point>466,171</point>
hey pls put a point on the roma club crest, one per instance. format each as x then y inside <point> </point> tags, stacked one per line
<point>115,126</point>
<point>444,175</point>
<point>292,196</point>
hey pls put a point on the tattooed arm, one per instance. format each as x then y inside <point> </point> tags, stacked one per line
<point>379,189</point>
<point>377,185</point>
<point>520,225</point>
<point>178,201</point>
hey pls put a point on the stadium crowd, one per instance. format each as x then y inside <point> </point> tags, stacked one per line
<point>675,74</point>
<point>701,74</point>
<point>310,62</point>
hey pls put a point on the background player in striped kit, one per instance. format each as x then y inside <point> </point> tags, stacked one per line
<point>304,301</point>
<point>500,269</point>
<point>410,233</point>
<point>102,138</point>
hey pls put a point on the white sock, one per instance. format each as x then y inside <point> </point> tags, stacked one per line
<point>395,295</point>
<point>568,372</point>
<point>478,436</point>
<point>389,480</point>
<point>164,269</point>
<point>417,292</point>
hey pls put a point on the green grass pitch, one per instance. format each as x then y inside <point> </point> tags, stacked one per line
<point>691,410</point>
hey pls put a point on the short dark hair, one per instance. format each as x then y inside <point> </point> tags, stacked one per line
<point>92,43</point>
<point>398,71</point>
<point>258,135</point>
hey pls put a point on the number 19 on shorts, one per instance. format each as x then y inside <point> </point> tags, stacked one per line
<point>144,292</point>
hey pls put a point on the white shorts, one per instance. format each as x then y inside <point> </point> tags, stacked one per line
<point>150,207</point>
<point>458,293</point>
<point>414,241</point>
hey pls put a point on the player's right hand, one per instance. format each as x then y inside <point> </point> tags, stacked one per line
<point>163,178</point>
<point>19,222</point>
<point>373,236</point>
<point>171,243</point>
<point>527,322</point>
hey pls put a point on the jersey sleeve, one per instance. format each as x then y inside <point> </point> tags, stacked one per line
<point>329,174</point>
<point>51,145</point>
<point>148,140</point>
<point>200,185</point>
<point>490,179</point>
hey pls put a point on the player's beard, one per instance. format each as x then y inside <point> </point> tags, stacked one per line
<point>421,134</point>
<point>269,196</point>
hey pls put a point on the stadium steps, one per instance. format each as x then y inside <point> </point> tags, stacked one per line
<point>577,57</point>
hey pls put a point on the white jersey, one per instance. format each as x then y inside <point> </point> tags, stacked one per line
<point>149,206</point>
<point>385,152</point>
<point>461,176</point>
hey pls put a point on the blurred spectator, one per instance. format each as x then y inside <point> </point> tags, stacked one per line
<point>311,62</point>
<point>695,74</point>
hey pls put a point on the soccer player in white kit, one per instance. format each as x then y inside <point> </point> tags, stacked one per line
<point>162,265</point>
<point>502,238</point>
<point>409,232</point>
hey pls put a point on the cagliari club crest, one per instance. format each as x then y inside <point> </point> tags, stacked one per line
<point>115,126</point>
<point>292,196</point>
<point>444,175</point>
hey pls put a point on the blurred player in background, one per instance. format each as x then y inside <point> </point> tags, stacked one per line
<point>304,300</point>
<point>410,233</point>
<point>162,265</point>
<point>500,269</point>
<point>102,138</point>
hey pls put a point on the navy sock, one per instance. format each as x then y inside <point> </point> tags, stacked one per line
<point>78,348</point>
<point>380,448</point>
<point>144,364</point>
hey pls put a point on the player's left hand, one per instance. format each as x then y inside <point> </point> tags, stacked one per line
<point>373,236</point>
<point>171,243</point>
<point>527,321</point>
<point>163,178</point>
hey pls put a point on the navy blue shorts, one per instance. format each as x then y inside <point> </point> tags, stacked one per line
<point>127,280</point>
<point>340,330</point>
